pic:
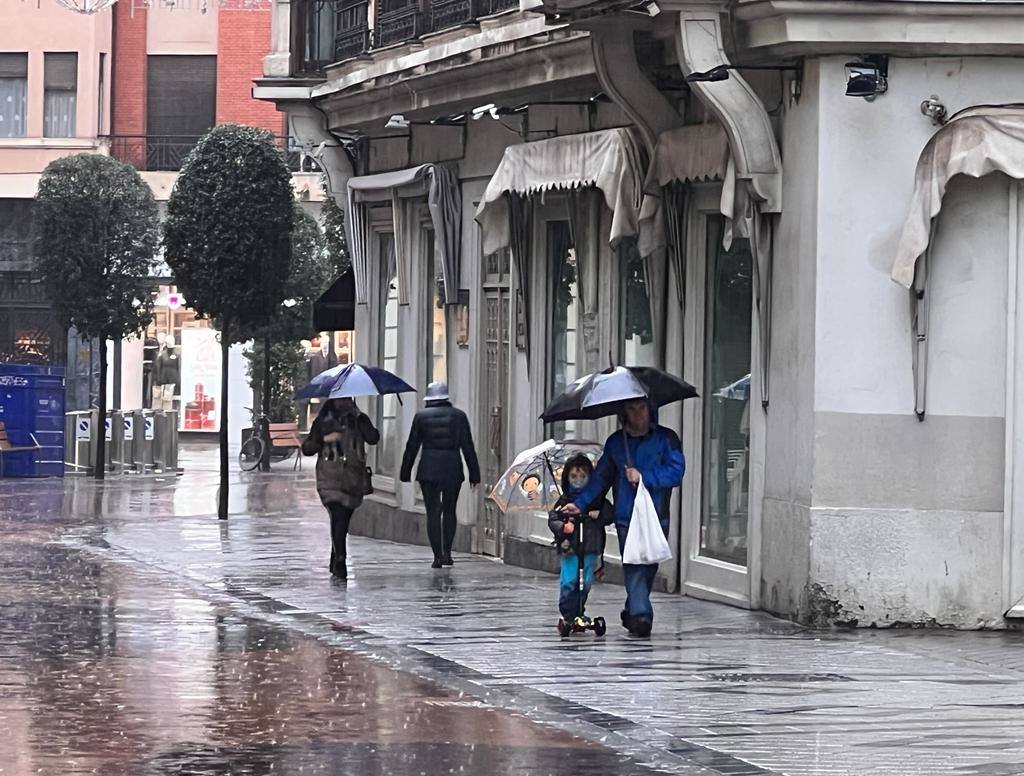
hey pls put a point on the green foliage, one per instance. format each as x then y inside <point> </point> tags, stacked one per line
<point>287,373</point>
<point>228,230</point>
<point>96,238</point>
<point>311,274</point>
<point>335,242</point>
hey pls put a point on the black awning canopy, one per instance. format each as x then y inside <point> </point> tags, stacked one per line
<point>335,310</point>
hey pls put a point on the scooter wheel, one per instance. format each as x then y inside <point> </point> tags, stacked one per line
<point>564,628</point>
<point>599,626</point>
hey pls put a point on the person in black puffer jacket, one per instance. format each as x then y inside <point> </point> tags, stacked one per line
<point>444,434</point>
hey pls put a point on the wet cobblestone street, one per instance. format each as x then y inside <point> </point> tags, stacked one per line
<point>139,635</point>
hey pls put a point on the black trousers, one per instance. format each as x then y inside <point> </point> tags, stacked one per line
<point>340,518</point>
<point>440,499</point>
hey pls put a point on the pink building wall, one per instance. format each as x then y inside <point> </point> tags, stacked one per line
<point>37,27</point>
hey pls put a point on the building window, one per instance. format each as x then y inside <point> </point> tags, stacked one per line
<point>60,95</point>
<point>726,430</point>
<point>13,94</point>
<point>437,346</point>
<point>637,330</point>
<point>561,258</point>
<point>101,96</point>
<point>387,406</point>
<point>173,81</point>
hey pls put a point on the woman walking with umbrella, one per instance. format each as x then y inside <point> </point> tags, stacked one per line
<point>338,438</point>
<point>640,450</point>
<point>444,434</point>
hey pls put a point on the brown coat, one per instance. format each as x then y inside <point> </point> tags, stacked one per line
<point>357,431</point>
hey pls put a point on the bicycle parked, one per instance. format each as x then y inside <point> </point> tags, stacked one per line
<point>283,443</point>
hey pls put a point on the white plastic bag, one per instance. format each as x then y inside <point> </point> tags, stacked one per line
<point>645,541</point>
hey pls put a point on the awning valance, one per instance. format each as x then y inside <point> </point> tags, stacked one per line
<point>688,154</point>
<point>977,142</point>
<point>444,200</point>
<point>694,154</point>
<point>608,159</point>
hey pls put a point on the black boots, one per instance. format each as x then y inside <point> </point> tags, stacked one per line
<point>447,560</point>
<point>437,563</point>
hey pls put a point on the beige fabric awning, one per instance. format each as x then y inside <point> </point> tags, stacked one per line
<point>685,155</point>
<point>977,142</point>
<point>444,199</point>
<point>608,159</point>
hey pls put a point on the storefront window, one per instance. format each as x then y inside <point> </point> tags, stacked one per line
<point>637,331</point>
<point>564,317</point>
<point>387,448</point>
<point>437,354</point>
<point>726,430</point>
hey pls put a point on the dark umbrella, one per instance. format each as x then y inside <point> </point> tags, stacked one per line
<point>601,394</point>
<point>351,380</point>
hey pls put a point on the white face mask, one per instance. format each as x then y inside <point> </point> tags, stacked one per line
<point>578,481</point>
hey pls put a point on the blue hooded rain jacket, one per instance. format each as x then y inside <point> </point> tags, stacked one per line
<point>659,458</point>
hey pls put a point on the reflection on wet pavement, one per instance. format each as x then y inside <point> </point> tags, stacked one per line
<point>103,672</point>
<point>139,635</point>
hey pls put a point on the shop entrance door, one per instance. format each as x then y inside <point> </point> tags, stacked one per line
<point>1013,510</point>
<point>494,402</point>
<point>723,429</point>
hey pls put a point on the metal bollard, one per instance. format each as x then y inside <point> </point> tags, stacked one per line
<point>115,453</point>
<point>165,442</point>
<point>145,433</point>
<point>80,434</point>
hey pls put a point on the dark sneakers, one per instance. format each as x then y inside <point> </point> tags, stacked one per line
<point>447,560</point>
<point>339,570</point>
<point>436,564</point>
<point>637,626</point>
<point>642,626</point>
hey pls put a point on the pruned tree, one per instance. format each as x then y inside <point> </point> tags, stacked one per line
<point>227,240</point>
<point>96,239</point>
<point>276,358</point>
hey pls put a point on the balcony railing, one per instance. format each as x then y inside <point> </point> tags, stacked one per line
<point>328,31</point>
<point>167,153</point>
<point>398,21</point>
<point>351,32</point>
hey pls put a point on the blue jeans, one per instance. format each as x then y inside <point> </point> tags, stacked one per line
<point>638,579</point>
<point>569,603</point>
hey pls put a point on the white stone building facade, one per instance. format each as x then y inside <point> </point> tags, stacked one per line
<point>814,488</point>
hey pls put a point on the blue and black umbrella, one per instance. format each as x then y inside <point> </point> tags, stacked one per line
<point>352,380</point>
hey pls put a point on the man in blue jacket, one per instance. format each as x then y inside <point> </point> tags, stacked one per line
<point>641,448</point>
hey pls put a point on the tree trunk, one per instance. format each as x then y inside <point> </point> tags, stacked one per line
<point>264,428</point>
<point>101,423</point>
<point>222,492</point>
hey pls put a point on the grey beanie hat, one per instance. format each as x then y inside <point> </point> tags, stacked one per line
<point>437,392</point>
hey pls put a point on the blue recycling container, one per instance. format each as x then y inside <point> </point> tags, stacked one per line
<point>32,403</point>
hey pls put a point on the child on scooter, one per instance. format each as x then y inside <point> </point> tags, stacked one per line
<point>575,475</point>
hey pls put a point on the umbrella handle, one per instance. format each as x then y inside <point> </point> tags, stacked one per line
<point>551,471</point>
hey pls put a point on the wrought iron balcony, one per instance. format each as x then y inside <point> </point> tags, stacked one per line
<point>167,153</point>
<point>351,30</point>
<point>445,14</point>
<point>491,7</point>
<point>398,21</point>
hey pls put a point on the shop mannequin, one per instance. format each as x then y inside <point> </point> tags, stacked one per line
<point>166,374</point>
<point>322,358</point>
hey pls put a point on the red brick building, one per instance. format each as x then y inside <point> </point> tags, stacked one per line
<point>177,72</point>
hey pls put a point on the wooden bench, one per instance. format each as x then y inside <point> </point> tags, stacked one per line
<point>6,446</point>
<point>287,435</point>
